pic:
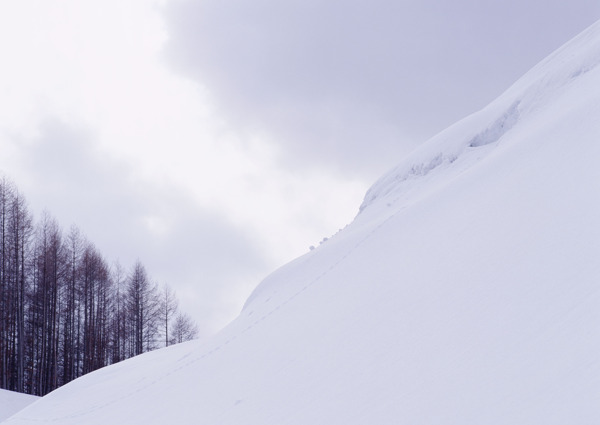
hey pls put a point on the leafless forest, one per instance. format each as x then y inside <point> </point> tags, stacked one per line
<point>64,310</point>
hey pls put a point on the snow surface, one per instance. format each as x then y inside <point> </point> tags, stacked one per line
<point>11,402</point>
<point>466,291</point>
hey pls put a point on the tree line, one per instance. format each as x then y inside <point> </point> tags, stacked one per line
<point>64,311</point>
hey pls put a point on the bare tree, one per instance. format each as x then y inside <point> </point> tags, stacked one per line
<point>74,252</point>
<point>168,308</point>
<point>142,309</point>
<point>184,329</point>
<point>6,194</point>
<point>118,328</point>
<point>96,289</point>
<point>21,228</point>
<point>48,278</point>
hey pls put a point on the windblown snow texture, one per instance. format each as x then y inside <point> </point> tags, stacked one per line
<point>466,291</point>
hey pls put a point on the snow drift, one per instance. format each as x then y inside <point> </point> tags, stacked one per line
<point>11,402</point>
<point>466,291</point>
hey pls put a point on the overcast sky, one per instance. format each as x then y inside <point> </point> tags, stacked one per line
<point>216,140</point>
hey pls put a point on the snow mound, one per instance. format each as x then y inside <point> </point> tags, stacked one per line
<point>11,403</point>
<point>464,292</point>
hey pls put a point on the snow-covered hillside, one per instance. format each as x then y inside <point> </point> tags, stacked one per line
<point>11,403</point>
<point>466,291</point>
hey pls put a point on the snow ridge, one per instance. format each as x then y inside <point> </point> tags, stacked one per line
<point>534,90</point>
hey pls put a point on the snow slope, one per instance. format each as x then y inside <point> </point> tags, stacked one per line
<point>11,402</point>
<point>466,291</point>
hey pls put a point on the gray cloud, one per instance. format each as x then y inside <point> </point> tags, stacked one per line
<point>205,258</point>
<point>355,84</point>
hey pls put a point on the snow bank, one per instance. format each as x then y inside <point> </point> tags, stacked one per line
<point>11,403</point>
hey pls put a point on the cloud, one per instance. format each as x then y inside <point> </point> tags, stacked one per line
<point>95,128</point>
<point>212,263</point>
<point>354,85</point>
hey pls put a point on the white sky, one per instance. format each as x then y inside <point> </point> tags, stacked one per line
<point>216,140</point>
